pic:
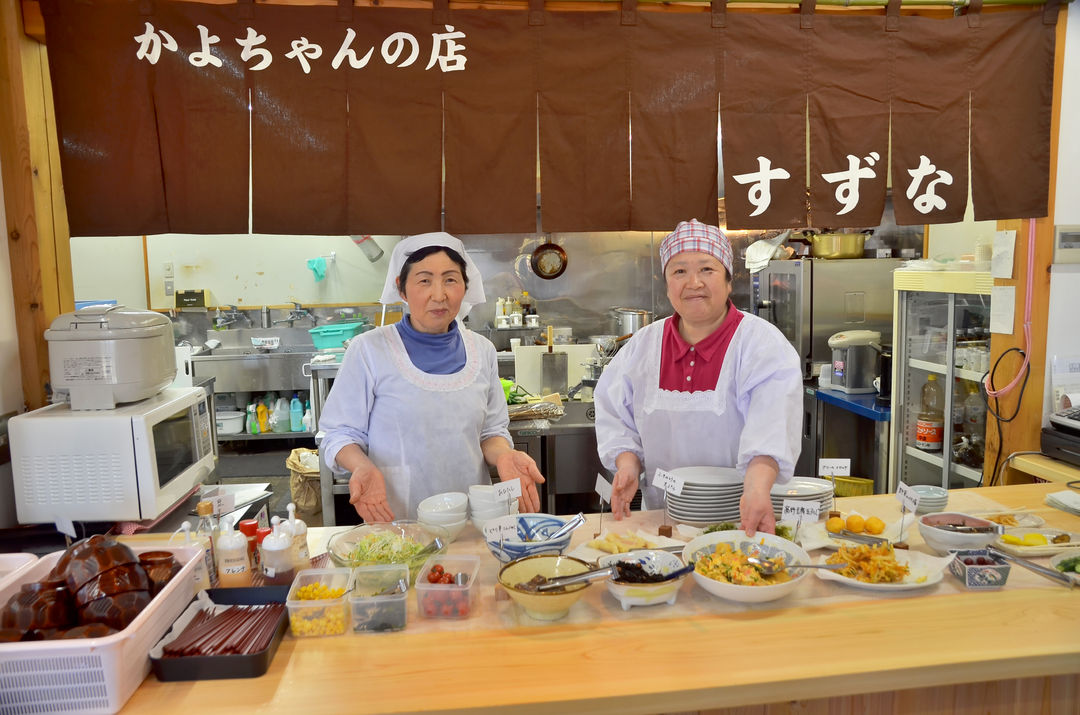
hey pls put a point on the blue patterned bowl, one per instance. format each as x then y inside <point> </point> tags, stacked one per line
<point>981,577</point>
<point>530,532</point>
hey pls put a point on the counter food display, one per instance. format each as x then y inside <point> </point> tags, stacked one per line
<point>937,646</point>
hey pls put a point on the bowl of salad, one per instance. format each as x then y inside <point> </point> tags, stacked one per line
<point>395,542</point>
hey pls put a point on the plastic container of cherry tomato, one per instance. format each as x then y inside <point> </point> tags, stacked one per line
<point>441,597</point>
<point>379,597</point>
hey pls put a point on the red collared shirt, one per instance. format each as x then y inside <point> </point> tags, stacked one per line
<point>695,368</point>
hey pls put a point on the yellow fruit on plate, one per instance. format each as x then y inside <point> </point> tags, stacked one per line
<point>834,525</point>
<point>874,525</point>
<point>1034,539</point>
<point>856,523</point>
<point>1011,539</point>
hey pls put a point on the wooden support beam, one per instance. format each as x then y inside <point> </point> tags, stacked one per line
<point>36,228</point>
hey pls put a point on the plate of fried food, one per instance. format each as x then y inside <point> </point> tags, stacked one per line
<point>1013,520</point>
<point>879,567</point>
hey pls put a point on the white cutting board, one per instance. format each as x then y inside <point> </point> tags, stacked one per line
<point>527,370</point>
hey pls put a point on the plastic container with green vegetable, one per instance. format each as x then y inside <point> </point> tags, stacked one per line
<point>396,542</point>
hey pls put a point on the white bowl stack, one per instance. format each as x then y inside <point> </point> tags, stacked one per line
<point>712,494</point>
<point>445,511</point>
<point>931,499</point>
<point>484,506</point>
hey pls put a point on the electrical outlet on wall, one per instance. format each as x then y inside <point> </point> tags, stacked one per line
<point>168,269</point>
<point>168,287</point>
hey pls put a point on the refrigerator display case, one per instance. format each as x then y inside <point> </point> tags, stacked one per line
<point>942,336</point>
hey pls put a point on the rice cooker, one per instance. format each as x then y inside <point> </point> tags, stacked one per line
<point>103,355</point>
<point>854,360</point>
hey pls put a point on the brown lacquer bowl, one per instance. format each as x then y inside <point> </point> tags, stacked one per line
<point>160,567</point>
<point>120,579</point>
<point>87,558</point>
<point>40,605</point>
<point>115,611</point>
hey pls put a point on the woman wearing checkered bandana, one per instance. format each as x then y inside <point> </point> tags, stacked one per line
<point>708,386</point>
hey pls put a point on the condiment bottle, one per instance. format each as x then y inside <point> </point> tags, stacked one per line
<point>205,530</point>
<point>930,424</point>
<point>249,528</point>
<point>261,533</point>
<point>202,573</point>
<point>234,569</point>
<point>277,563</point>
<point>301,559</point>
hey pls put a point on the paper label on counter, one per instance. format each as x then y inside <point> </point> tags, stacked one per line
<point>834,467</point>
<point>908,497</point>
<point>796,511</point>
<point>668,482</point>
<point>223,503</point>
<point>603,488</point>
<point>506,491</point>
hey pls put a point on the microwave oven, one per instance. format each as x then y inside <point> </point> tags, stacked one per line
<point>131,463</point>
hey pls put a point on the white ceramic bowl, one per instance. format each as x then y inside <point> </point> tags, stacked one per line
<point>495,511</point>
<point>645,594</point>
<point>482,494</point>
<point>769,545</point>
<point>441,518</point>
<point>452,530</point>
<point>445,503</point>
<point>943,541</point>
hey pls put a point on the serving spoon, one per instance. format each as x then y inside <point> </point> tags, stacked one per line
<point>768,567</point>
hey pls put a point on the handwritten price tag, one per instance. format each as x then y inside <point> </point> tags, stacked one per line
<point>908,497</point>
<point>799,511</point>
<point>668,482</point>
<point>223,503</point>
<point>506,491</point>
<point>834,467</point>
<point>501,529</point>
<point>603,488</point>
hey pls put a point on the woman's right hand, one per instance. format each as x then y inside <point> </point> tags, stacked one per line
<point>367,492</point>
<point>624,486</point>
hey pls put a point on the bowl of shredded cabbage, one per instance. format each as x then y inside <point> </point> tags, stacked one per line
<point>395,542</point>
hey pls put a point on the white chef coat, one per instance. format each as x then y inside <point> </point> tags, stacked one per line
<point>755,410</point>
<point>422,431</point>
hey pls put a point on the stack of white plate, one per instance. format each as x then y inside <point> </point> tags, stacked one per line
<point>931,499</point>
<point>712,494</point>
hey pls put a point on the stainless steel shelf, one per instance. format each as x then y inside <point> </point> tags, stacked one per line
<point>938,368</point>
<point>265,436</point>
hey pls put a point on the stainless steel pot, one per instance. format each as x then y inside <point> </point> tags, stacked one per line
<point>627,321</point>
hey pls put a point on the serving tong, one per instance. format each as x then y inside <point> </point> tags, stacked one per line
<point>860,538</point>
<point>1052,574</point>
<point>962,529</point>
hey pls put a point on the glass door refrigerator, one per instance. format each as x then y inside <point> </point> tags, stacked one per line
<point>941,353</point>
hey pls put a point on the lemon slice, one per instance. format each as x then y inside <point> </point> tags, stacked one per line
<point>1010,539</point>
<point>1034,540</point>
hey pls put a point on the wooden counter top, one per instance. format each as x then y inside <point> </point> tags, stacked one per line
<point>840,642</point>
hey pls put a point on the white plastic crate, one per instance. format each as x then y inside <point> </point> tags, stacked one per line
<point>89,675</point>
<point>12,566</point>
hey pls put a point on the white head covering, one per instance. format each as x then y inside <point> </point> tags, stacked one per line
<point>474,293</point>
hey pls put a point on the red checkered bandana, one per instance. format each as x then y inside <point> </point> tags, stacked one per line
<point>693,235</point>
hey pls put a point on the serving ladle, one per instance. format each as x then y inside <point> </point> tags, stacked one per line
<point>768,567</point>
<point>565,529</point>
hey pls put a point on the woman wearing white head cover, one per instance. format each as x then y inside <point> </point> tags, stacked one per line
<point>709,386</point>
<point>417,407</point>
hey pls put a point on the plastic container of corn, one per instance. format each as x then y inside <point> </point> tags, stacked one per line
<point>317,603</point>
